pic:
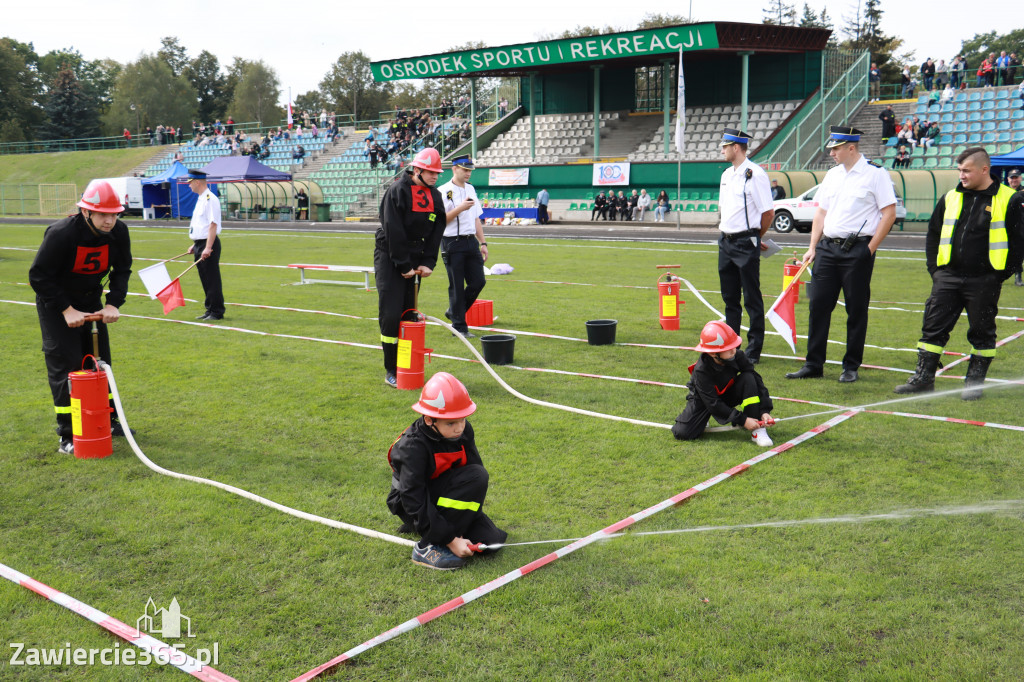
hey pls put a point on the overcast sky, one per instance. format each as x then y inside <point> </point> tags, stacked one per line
<point>301,40</point>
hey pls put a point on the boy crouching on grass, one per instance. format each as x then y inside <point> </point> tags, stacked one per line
<point>439,482</point>
<point>724,385</point>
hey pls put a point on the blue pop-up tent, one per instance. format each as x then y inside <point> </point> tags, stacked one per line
<point>1014,159</point>
<point>164,190</point>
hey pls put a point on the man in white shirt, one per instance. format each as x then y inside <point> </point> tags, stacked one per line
<point>203,231</point>
<point>745,201</point>
<point>856,210</point>
<point>463,247</point>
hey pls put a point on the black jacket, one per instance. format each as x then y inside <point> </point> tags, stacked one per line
<point>412,220</point>
<point>711,380</point>
<point>969,252</point>
<point>73,262</point>
<point>419,456</point>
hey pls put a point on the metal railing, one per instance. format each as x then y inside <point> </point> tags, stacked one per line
<point>844,87</point>
<point>47,199</point>
<point>107,142</point>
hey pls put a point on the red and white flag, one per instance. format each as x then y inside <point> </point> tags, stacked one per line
<point>171,296</point>
<point>782,316</point>
<point>289,114</point>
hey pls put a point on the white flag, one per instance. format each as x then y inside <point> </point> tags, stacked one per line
<point>680,107</point>
<point>155,279</point>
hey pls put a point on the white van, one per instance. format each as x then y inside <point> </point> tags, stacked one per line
<point>129,190</point>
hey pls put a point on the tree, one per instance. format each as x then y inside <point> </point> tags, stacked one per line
<point>20,90</point>
<point>158,95</point>
<point>779,13</point>
<point>95,78</point>
<point>204,74</point>
<point>982,44</point>
<point>174,54</point>
<point>257,94</point>
<point>865,33</point>
<point>311,101</point>
<point>350,86</point>
<point>69,111</point>
<point>656,20</point>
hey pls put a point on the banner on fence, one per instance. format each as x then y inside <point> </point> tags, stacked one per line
<point>502,177</point>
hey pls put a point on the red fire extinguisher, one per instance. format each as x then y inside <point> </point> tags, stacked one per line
<point>90,412</point>
<point>668,299</point>
<point>410,353</point>
<point>789,271</point>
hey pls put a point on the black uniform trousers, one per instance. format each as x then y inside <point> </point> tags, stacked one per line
<point>835,271</point>
<point>542,214</point>
<point>693,420</point>
<point>63,350</point>
<point>465,266</point>
<point>739,269</point>
<point>951,294</point>
<point>459,496</point>
<point>599,211</point>
<point>209,275</point>
<point>395,295</point>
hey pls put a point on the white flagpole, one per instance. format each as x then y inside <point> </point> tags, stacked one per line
<point>680,132</point>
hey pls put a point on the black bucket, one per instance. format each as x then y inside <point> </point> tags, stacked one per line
<point>601,332</point>
<point>807,290</point>
<point>499,349</point>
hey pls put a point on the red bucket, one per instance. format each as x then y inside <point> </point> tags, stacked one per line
<point>789,270</point>
<point>410,355</point>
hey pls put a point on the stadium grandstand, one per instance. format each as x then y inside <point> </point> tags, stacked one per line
<point>583,103</point>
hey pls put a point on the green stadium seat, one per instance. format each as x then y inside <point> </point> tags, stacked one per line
<point>705,196</point>
<point>702,207</point>
<point>713,207</point>
<point>673,196</point>
<point>683,196</point>
<point>574,206</point>
<point>689,208</point>
<point>931,162</point>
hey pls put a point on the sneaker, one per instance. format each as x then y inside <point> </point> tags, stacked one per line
<point>761,437</point>
<point>391,380</point>
<point>439,558</point>
<point>67,446</point>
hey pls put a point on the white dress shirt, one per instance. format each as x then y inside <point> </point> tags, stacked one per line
<point>737,192</point>
<point>854,198</point>
<point>453,196</point>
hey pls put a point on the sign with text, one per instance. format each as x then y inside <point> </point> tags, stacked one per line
<point>609,174</point>
<point>666,40</point>
<point>502,177</point>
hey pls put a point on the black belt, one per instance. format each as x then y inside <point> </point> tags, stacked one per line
<point>740,235</point>
<point>842,240</point>
<point>460,236</point>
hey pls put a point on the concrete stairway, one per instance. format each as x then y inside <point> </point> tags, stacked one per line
<point>866,120</point>
<point>622,136</point>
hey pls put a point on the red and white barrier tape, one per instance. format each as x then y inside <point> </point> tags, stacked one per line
<point>951,420</point>
<point>157,649</point>
<point>489,587</point>
<point>942,370</point>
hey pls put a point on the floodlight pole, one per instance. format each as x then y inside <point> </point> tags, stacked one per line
<point>533,123</point>
<point>743,90</point>
<point>597,112</point>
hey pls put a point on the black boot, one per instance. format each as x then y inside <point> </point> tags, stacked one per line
<point>976,372</point>
<point>1017,280</point>
<point>923,379</point>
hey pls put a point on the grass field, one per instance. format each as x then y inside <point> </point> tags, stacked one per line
<point>76,167</point>
<point>921,595</point>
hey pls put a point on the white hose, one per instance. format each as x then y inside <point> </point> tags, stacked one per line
<point>542,403</point>
<point>232,489</point>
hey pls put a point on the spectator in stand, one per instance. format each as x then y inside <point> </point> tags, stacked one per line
<point>662,208</point>
<point>931,135</point>
<point>230,126</point>
<point>902,158</point>
<point>888,119</point>
<point>299,153</point>
<point>502,107</point>
<point>947,96</point>
<point>600,207</point>
<point>1013,69</point>
<point>906,135</point>
<point>1002,68</point>
<point>964,66</point>
<point>928,73</point>
<point>127,137</point>
<point>875,83</point>
<point>777,191</point>
<point>382,154</point>
<point>642,205</point>
<point>149,133</point>
<point>323,118</point>
<point>160,135</point>
<point>933,99</point>
<point>985,71</point>
<point>941,74</point>
<point>906,81</point>
<point>1020,93</point>
<point>254,150</point>
<point>178,156</point>
<point>634,202</point>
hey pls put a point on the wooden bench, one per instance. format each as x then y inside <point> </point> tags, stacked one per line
<point>366,270</point>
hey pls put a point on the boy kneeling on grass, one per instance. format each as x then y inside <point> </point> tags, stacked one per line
<point>439,482</point>
<point>724,385</point>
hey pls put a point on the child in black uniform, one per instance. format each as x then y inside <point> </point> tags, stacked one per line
<point>439,483</point>
<point>724,385</point>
